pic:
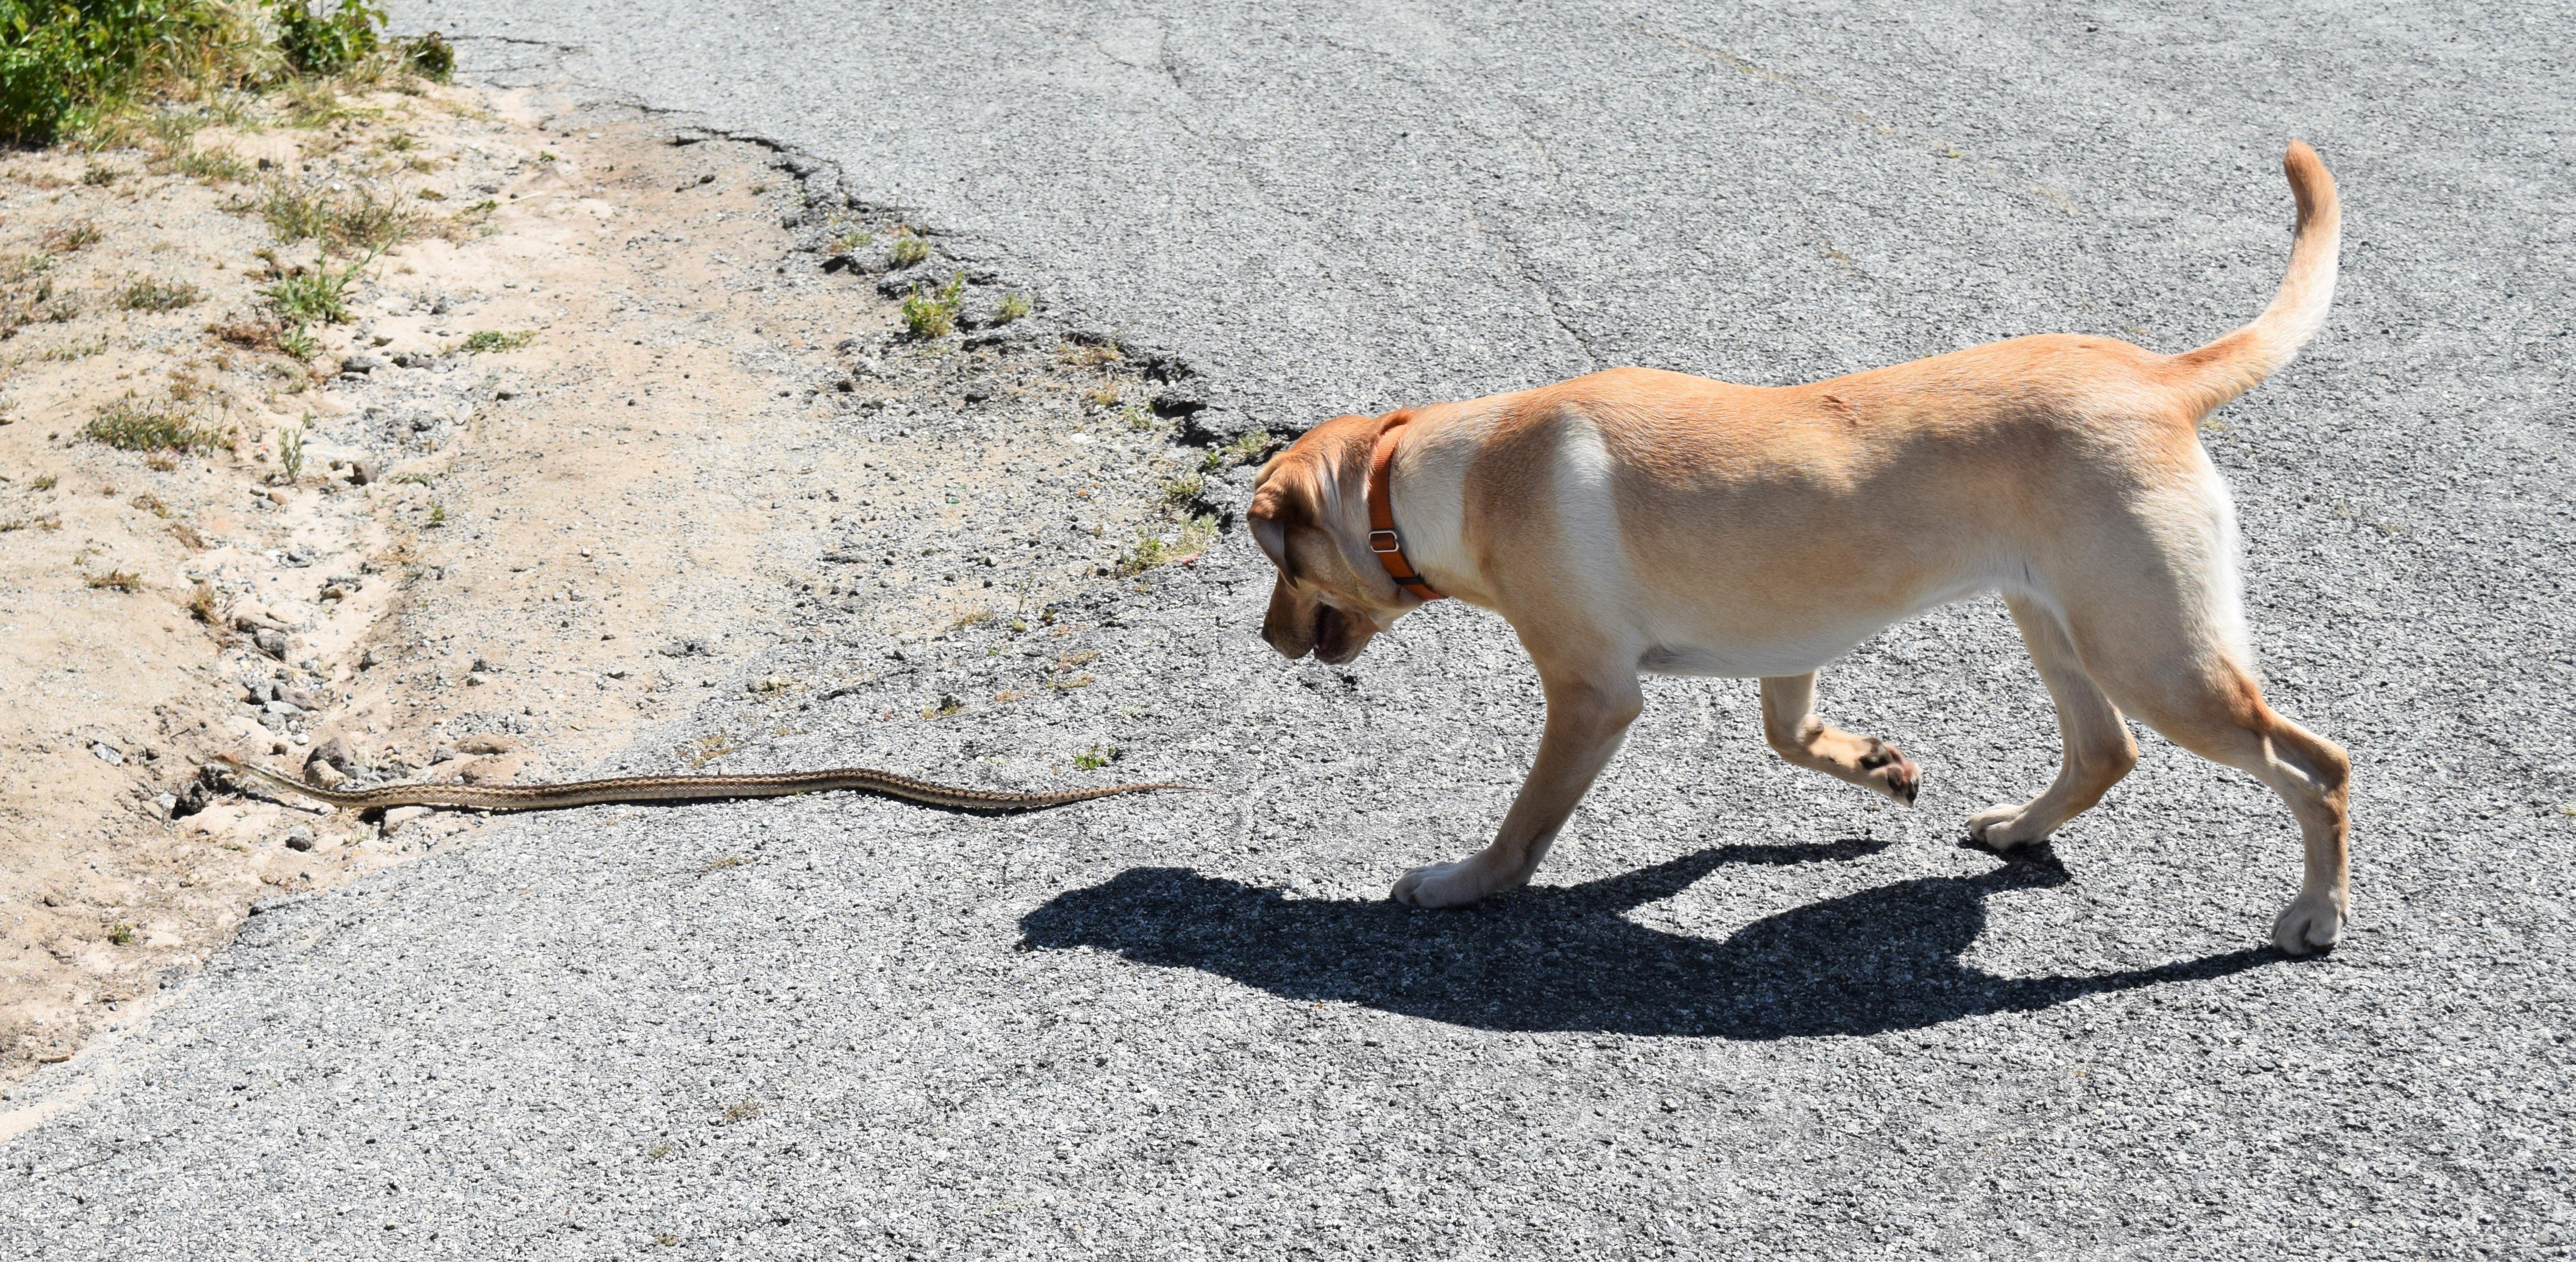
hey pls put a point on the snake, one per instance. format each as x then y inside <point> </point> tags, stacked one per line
<point>555,797</point>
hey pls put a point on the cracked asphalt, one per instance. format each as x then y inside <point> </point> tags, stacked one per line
<point>1749,1012</point>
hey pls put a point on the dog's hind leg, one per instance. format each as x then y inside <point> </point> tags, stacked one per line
<point>1789,722</point>
<point>2184,680</point>
<point>2099,749</point>
<point>1586,721</point>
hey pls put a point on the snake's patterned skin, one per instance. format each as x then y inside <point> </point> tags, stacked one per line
<point>547,797</point>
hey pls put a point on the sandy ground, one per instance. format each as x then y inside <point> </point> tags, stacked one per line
<point>491,564</point>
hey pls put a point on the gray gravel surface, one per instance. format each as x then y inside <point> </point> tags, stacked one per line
<point>1752,1011</point>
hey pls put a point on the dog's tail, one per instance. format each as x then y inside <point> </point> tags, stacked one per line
<point>2236,363</point>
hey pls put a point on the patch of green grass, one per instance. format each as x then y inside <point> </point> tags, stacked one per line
<point>98,176</point>
<point>45,482</point>
<point>362,221</point>
<point>1154,550</point>
<point>298,341</point>
<point>144,294</point>
<point>212,165</point>
<point>128,426</point>
<point>413,479</point>
<point>430,57</point>
<point>494,340</point>
<point>1014,307</point>
<point>1182,491</point>
<point>437,514</point>
<point>1092,759</point>
<point>326,39</point>
<point>934,315</point>
<point>65,66</point>
<point>1241,451</point>
<point>121,934</point>
<point>321,295</point>
<point>909,249</point>
<point>853,239</point>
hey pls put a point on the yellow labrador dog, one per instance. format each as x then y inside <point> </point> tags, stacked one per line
<point>1637,520</point>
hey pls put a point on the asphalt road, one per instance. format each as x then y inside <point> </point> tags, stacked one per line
<point>1752,1012</point>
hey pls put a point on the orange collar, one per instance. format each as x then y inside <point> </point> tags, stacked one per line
<point>1382,540</point>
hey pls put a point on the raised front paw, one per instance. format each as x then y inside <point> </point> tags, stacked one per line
<point>1885,768</point>
<point>2312,923</point>
<point>1446,884</point>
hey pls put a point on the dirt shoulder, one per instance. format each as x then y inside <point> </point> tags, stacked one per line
<point>614,412</point>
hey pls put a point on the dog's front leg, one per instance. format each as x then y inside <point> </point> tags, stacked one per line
<point>1585,723</point>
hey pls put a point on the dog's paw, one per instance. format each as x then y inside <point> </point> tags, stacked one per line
<point>2310,924</point>
<point>1444,885</point>
<point>1885,768</point>
<point>2002,828</point>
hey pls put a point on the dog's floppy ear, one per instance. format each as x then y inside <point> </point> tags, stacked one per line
<point>1283,503</point>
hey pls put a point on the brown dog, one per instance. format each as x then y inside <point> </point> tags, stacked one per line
<point>1637,520</point>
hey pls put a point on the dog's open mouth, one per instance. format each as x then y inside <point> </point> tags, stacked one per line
<point>1334,639</point>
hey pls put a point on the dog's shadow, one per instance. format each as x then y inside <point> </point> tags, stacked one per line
<point>1569,959</point>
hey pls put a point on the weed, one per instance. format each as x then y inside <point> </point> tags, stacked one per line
<point>430,57</point>
<point>369,222</point>
<point>412,479</point>
<point>319,295</point>
<point>68,67</point>
<point>1093,759</point>
<point>151,504</point>
<point>1181,492</point>
<point>187,534</point>
<point>428,194</point>
<point>201,603</point>
<point>71,237</point>
<point>1014,307</point>
<point>719,865</point>
<point>1139,419</point>
<point>126,581</point>
<point>298,342</point>
<point>852,240</point>
<point>1087,354</point>
<point>970,618</point>
<point>1241,451</point>
<point>206,164</point>
<point>934,315</point>
<point>44,482</point>
<point>294,213</point>
<point>251,333</point>
<point>495,340</point>
<point>290,452</point>
<point>1106,394</point>
<point>161,462</point>
<point>98,176</point>
<point>73,352</point>
<point>122,933</point>
<point>1155,550</point>
<point>437,513</point>
<point>399,142</point>
<point>743,1111</point>
<point>128,427</point>
<point>328,40</point>
<point>909,249</point>
<point>144,294</point>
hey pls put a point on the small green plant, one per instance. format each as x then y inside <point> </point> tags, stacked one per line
<point>495,340</point>
<point>437,513</point>
<point>909,249</point>
<point>127,426</point>
<point>97,176</point>
<point>411,479</point>
<point>71,237</point>
<point>298,341</point>
<point>430,57</point>
<point>328,39</point>
<point>934,315</point>
<point>212,165</point>
<point>319,295</point>
<point>122,933</point>
<point>368,222</point>
<point>126,581</point>
<point>1014,307</point>
<point>1154,550</point>
<point>1092,759</point>
<point>144,294</point>
<point>1182,491</point>
<point>290,452</point>
<point>1242,451</point>
<point>852,240</point>
<point>44,482</point>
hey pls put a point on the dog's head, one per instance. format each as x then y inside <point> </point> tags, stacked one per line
<point>1310,515</point>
